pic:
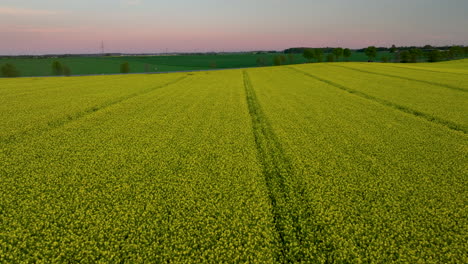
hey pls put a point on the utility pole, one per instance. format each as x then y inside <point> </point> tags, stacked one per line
<point>102,48</point>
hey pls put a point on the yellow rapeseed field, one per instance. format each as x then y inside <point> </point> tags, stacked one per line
<point>313,163</point>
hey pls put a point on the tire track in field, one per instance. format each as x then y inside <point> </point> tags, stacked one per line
<point>449,124</point>
<point>403,78</point>
<point>54,124</point>
<point>277,169</point>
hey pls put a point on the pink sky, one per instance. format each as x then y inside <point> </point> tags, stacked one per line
<point>143,26</point>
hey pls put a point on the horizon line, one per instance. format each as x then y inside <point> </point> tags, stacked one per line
<point>206,52</point>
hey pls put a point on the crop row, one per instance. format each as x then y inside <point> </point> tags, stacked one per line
<point>454,81</point>
<point>170,175</point>
<point>32,105</point>
<point>309,164</point>
<point>433,101</point>
<point>458,66</point>
<point>379,185</point>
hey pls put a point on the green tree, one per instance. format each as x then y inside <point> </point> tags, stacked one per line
<point>309,54</point>
<point>125,67</point>
<point>283,59</point>
<point>66,70</point>
<point>433,56</point>
<point>415,54</point>
<point>396,56</point>
<point>291,58</point>
<point>445,55</point>
<point>393,49</point>
<point>385,59</point>
<point>347,54</point>
<point>456,51</point>
<point>261,61</point>
<point>465,51</point>
<point>57,68</point>
<point>405,56</point>
<point>427,47</point>
<point>277,61</point>
<point>318,54</point>
<point>9,70</point>
<point>371,53</point>
<point>338,52</point>
<point>330,57</point>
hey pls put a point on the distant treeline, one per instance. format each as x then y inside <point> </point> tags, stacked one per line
<point>302,49</point>
<point>392,49</point>
<point>397,54</point>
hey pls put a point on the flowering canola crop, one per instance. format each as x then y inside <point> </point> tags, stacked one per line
<point>342,162</point>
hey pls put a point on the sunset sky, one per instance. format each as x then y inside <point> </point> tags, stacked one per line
<point>66,26</point>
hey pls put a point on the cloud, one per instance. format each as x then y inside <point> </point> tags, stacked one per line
<point>25,12</point>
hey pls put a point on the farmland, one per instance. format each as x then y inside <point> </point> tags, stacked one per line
<point>138,64</point>
<point>313,163</point>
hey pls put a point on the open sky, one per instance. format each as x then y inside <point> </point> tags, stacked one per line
<point>71,26</point>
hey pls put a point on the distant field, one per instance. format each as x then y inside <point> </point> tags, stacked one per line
<point>312,163</point>
<point>108,65</point>
<point>457,66</point>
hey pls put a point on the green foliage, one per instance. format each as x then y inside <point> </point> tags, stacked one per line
<point>415,54</point>
<point>434,56</point>
<point>125,67</point>
<point>456,52</point>
<point>277,60</point>
<point>405,56</point>
<point>9,70</point>
<point>261,61</point>
<point>338,52</point>
<point>309,54</point>
<point>330,57</point>
<point>347,54</point>
<point>385,59</point>
<point>283,59</point>
<point>371,52</point>
<point>318,55</point>
<point>66,70</point>
<point>447,55</point>
<point>57,68</point>
<point>291,58</point>
<point>428,47</point>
